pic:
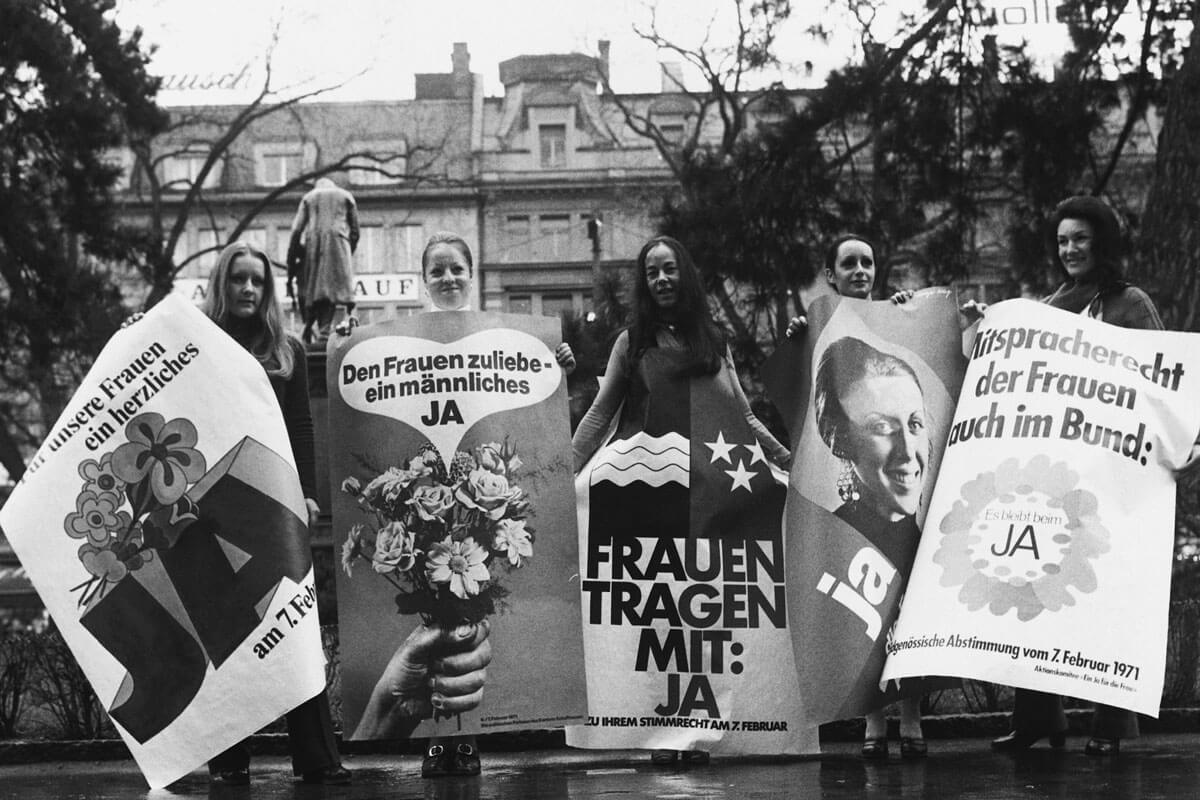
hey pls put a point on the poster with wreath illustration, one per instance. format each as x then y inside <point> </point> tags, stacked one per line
<point>458,588</point>
<point>1045,561</point>
<point>163,525</point>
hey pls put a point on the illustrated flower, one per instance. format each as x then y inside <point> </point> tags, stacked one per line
<point>351,548</point>
<point>103,563</point>
<point>351,485</point>
<point>161,450</point>
<point>487,492</point>
<point>492,457</point>
<point>394,550</point>
<point>461,466</point>
<point>432,502</point>
<point>131,555</point>
<point>390,484</point>
<point>459,564</point>
<point>512,538</point>
<point>95,517</point>
<point>99,476</point>
<point>1072,523</point>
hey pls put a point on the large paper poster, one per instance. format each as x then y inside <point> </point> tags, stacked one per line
<point>163,525</point>
<point>451,473</point>
<point>868,393</point>
<point>681,552</point>
<point>1046,558</point>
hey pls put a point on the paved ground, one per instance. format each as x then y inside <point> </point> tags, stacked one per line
<point>1158,766</point>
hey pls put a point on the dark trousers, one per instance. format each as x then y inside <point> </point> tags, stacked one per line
<point>1040,713</point>
<point>310,739</point>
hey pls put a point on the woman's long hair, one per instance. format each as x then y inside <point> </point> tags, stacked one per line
<point>692,319</point>
<point>1107,248</point>
<point>269,341</point>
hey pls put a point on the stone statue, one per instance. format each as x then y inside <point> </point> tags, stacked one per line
<point>324,236</point>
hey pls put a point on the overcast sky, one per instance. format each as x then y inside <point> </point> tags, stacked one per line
<point>377,45</point>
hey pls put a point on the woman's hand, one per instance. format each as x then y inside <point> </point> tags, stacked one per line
<point>972,310</point>
<point>565,358</point>
<point>795,325</point>
<point>902,296</point>
<point>314,511</point>
<point>132,318</point>
<point>433,668</point>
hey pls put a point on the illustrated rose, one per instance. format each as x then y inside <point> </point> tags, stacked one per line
<point>389,485</point>
<point>432,502</point>
<point>487,492</point>
<point>489,458</point>
<point>394,550</point>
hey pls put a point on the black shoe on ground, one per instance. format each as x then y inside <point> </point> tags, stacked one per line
<point>435,762</point>
<point>464,760</point>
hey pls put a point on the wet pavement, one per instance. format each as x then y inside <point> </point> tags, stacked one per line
<point>1161,766</point>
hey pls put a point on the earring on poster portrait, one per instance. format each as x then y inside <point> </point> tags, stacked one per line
<point>847,483</point>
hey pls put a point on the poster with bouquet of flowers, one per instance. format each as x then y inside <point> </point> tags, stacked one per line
<point>163,525</point>
<point>454,516</point>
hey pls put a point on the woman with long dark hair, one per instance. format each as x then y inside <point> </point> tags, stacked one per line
<point>242,300</point>
<point>1085,240</point>
<point>672,340</point>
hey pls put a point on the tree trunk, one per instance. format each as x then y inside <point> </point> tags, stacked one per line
<point>1169,244</point>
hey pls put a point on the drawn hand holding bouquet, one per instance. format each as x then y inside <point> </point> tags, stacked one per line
<point>133,500</point>
<point>444,539</point>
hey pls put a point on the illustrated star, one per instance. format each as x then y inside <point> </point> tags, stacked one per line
<point>720,449</point>
<point>741,477</point>
<point>756,452</point>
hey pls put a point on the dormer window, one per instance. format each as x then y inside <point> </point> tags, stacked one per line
<point>280,163</point>
<point>382,163</point>
<point>180,169</point>
<point>552,140</point>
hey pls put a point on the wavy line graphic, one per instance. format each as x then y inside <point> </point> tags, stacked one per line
<point>653,460</point>
<point>638,473</point>
<point>644,449</point>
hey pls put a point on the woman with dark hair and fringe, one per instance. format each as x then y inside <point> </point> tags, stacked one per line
<point>850,268</point>
<point>241,299</point>
<point>672,338</point>
<point>1085,238</point>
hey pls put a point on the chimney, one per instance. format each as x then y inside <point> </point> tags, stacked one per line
<point>672,77</point>
<point>603,45</point>
<point>460,61</point>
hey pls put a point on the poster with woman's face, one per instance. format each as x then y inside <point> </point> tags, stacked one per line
<point>878,412</point>
<point>871,389</point>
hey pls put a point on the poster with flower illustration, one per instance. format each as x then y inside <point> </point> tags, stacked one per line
<point>458,593</point>
<point>1045,560</point>
<point>163,525</point>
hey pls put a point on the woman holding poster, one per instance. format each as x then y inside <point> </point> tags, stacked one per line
<point>241,300</point>
<point>671,344</point>
<point>882,481</point>
<point>1085,236</point>
<point>448,270</point>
